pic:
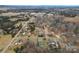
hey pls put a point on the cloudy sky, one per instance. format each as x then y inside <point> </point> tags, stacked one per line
<point>39,2</point>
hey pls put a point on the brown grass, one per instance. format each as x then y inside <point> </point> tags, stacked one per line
<point>4,40</point>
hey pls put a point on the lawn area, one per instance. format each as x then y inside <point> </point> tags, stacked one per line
<point>4,40</point>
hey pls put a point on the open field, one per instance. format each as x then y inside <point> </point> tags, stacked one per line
<point>4,40</point>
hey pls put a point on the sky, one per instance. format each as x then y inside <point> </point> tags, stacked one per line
<point>39,2</point>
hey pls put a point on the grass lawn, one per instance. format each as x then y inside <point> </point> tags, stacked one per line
<point>4,40</point>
